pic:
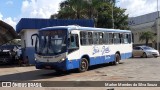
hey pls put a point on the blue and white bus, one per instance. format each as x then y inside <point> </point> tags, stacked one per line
<point>76,47</point>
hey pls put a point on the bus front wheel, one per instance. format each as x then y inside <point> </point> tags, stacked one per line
<point>117,59</point>
<point>83,65</point>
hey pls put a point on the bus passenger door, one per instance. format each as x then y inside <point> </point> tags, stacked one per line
<point>73,53</point>
<point>73,43</point>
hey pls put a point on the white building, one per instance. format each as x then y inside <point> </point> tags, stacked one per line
<point>147,22</point>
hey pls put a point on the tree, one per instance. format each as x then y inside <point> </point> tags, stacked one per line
<point>71,9</point>
<point>146,36</point>
<point>98,10</point>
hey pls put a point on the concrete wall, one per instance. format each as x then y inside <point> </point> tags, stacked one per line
<point>27,48</point>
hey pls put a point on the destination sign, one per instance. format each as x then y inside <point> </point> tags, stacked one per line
<point>52,33</point>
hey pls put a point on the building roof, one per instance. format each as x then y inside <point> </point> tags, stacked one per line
<point>38,23</point>
<point>7,33</point>
<point>143,19</point>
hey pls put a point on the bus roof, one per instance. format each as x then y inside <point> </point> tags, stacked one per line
<point>75,27</point>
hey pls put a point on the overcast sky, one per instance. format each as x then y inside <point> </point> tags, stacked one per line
<point>11,11</point>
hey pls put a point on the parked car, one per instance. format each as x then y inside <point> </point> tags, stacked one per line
<point>5,57</point>
<point>144,51</point>
<point>10,54</point>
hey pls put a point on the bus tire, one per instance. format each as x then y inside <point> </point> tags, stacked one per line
<point>117,59</point>
<point>83,65</point>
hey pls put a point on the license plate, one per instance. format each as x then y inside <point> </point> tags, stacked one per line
<point>48,67</point>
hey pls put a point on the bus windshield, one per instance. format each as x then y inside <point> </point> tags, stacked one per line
<point>51,42</point>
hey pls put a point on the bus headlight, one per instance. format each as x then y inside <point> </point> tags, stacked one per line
<point>61,60</point>
<point>36,60</point>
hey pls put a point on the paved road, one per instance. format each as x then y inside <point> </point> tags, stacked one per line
<point>135,69</point>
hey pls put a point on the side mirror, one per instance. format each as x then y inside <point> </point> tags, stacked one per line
<point>32,42</point>
<point>32,38</point>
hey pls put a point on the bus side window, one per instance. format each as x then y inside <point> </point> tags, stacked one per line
<point>90,38</point>
<point>116,38</point>
<point>95,38</point>
<point>125,38</point>
<point>106,38</point>
<point>100,38</point>
<point>121,38</point>
<point>110,38</point>
<point>77,40</point>
<point>73,41</point>
<point>129,38</point>
<point>83,37</point>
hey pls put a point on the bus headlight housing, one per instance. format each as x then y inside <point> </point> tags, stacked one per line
<point>62,59</point>
<point>36,60</point>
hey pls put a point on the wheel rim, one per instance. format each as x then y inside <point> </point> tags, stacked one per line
<point>83,65</point>
<point>144,55</point>
<point>5,61</point>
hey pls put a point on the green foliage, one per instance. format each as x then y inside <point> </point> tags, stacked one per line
<point>146,36</point>
<point>98,10</point>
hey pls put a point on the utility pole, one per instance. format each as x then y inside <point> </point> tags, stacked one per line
<point>112,15</point>
<point>157,28</point>
<point>113,5</point>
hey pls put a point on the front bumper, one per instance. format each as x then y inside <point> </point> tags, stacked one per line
<point>152,54</point>
<point>155,55</point>
<point>5,60</point>
<point>51,65</point>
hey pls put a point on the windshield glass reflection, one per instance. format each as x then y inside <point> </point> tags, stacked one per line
<point>51,42</point>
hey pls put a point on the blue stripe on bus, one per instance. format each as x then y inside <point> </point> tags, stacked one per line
<point>96,60</point>
<point>73,64</point>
